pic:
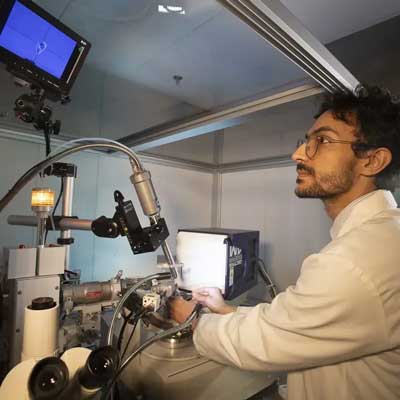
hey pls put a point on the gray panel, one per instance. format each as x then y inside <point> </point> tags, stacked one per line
<point>199,148</point>
<point>290,228</point>
<point>332,20</point>
<point>273,132</point>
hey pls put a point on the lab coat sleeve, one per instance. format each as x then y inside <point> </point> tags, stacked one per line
<point>332,314</point>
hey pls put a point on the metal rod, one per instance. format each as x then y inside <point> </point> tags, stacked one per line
<point>170,259</point>
<point>68,185</point>
<point>64,223</point>
<point>76,224</point>
<point>41,231</point>
<point>213,121</point>
<point>279,27</point>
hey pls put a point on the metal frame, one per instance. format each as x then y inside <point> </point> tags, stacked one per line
<point>214,121</point>
<point>217,167</point>
<point>279,27</point>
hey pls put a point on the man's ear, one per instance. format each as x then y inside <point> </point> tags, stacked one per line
<point>375,161</point>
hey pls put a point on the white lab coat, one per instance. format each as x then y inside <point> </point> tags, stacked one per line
<point>337,331</point>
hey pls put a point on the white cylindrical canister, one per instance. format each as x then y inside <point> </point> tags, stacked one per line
<point>40,329</point>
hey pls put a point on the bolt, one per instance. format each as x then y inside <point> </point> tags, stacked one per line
<point>17,330</point>
<point>56,288</point>
<point>19,292</point>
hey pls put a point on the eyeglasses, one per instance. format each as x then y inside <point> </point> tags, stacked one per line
<point>313,142</point>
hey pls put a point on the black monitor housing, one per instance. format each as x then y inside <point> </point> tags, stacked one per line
<point>32,42</point>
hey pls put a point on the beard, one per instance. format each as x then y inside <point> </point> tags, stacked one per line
<point>326,185</point>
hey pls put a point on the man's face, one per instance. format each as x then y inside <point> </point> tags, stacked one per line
<point>333,169</point>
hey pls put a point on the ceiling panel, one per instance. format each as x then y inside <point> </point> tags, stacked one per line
<point>127,84</point>
<point>331,20</point>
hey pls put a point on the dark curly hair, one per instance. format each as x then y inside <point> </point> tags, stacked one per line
<point>377,116</point>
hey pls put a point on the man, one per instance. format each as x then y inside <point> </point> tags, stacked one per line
<point>337,331</point>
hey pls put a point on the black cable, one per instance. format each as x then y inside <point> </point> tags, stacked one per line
<point>55,207</point>
<point>47,132</point>
<point>121,333</point>
<point>264,274</point>
<point>107,391</point>
<point>135,322</point>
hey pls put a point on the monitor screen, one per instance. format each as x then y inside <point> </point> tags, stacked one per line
<point>31,37</point>
<point>39,48</point>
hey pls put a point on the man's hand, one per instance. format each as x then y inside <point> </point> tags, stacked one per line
<point>211,297</point>
<point>180,309</point>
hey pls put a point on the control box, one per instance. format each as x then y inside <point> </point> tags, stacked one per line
<point>26,262</point>
<point>217,257</point>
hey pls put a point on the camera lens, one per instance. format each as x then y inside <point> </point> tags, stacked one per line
<point>48,379</point>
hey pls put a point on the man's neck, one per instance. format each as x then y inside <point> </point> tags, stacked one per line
<point>334,205</point>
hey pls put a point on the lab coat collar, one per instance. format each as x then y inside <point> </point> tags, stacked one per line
<point>361,210</point>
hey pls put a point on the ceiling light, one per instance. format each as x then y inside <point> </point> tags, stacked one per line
<point>171,10</point>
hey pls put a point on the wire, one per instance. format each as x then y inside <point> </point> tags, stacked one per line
<point>153,339</point>
<point>55,207</point>
<point>24,179</point>
<point>163,275</point>
<point>135,322</point>
<point>47,139</point>
<point>121,334</point>
<point>268,281</point>
<point>85,140</point>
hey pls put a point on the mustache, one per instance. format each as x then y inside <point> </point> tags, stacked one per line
<point>306,168</point>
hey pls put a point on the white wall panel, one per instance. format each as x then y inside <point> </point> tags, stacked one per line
<point>290,228</point>
<point>185,198</point>
<point>15,159</point>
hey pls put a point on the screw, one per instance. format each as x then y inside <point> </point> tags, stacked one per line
<point>56,288</point>
<point>19,292</point>
<point>17,330</point>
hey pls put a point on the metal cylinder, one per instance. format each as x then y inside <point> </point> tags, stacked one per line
<point>145,192</point>
<point>91,292</point>
<point>64,223</point>
<point>41,230</point>
<point>76,224</point>
<point>68,194</point>
<point>170,259</point>
<point>25,220</point>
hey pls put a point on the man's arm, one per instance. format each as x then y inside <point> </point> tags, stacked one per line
<point>332,314</point>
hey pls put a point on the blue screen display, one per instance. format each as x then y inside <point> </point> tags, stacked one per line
<point>31,37</point>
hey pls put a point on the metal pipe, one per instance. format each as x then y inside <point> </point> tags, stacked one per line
<point>167,251</point>
<point>29,175</point>
<point>24,220</point>
<point>68,194</point>
<point>76,224</point>
<point>64,223</point>
<point>41,231</point>
<point>170,259</point>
